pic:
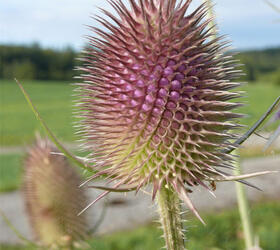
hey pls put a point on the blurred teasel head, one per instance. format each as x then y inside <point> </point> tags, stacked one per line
<point>53,197</point>
<point>155,97</point>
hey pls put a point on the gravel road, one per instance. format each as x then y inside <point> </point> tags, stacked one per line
<point>127,210</point>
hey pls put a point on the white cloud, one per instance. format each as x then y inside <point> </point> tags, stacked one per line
<point>60,23</point>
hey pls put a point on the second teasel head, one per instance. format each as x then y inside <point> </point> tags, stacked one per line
<point>156,97</point>
<point>53,198</point>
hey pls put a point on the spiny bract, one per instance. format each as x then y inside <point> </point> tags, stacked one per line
<point>52,196</point>
<point>154,97</point>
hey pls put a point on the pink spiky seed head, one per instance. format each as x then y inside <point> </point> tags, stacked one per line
<point>52,196</point>
<point>155,97</point>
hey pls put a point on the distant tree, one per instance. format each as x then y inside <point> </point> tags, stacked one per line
<point>277,78</point>
<point>23,70</point>
<point>34,62</point>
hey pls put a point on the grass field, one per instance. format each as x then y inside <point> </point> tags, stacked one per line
<point>257,98</point>
<point>10,172</point>
<point>54,102</point>
<point>12,165</point>
<point>222,232</point>
<point>18,123</point>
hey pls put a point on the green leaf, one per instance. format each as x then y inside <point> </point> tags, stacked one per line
<point>17,233</point>
<point>50,134</point>
<point>257,124</point>
<point>117,190</point>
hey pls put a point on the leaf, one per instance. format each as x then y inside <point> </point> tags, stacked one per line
<point>272,138</point>
<point>100,219</point>
<point>117,190</point>
<point>257,124</point>
<point>17,233</point>
<point>241,177</point>
<point>272,5</point>
<point>50,134</point>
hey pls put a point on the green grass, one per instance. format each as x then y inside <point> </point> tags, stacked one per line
<point>11,166</point>
<point>258,97</point>
<point>18,123</point>
<point>10,172</point>
<point>54,102</point>
<point>223,231</point>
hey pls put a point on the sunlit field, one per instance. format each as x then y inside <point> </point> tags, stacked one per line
<point>117,130</point>
<point>54,101</point>
<point>223,232</point>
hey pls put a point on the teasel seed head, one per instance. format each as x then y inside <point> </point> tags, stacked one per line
<point>52,196</point>
<point>156,97</point>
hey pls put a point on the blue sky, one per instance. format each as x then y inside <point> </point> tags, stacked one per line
<point>61,23</point>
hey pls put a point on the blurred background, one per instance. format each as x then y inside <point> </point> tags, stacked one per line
<point>39,44</point>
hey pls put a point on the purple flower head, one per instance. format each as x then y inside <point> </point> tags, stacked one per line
<point>180,97</point>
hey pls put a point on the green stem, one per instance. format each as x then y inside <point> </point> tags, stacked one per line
<point>170,217</point>
<point>240,191</point>
<point>17,233</point>
<point>244,211</point>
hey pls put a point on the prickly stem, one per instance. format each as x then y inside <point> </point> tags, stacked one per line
<point>240,190</point>
<point>244,210</point>
<point>170,217</point>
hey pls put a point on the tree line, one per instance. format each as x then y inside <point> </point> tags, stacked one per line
<point>34,62</point>
<point>261,64</point>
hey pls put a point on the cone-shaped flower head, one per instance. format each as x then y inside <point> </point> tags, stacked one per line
<point>53,197</point>
<point>155,98</point>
